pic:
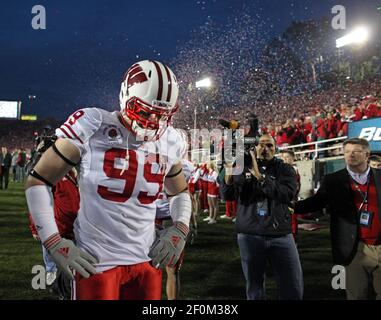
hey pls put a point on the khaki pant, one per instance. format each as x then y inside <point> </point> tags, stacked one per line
<point>364,272</point>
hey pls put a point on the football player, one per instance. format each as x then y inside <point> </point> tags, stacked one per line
<point>126,158</point>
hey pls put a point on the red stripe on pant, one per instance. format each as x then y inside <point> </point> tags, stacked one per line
<point>204,195</point>
<point>135,282</point>
<point>230,208</point>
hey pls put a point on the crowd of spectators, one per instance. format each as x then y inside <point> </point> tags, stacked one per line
<point>290,120</point>
<point>302,118</point>
<point>19,138</point>
<point>15,134</point>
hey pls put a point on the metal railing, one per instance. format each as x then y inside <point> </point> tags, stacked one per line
<point>316,149</point>
<point>203,154</point>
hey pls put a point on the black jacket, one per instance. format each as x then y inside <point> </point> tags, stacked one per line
<point>225,194</point>
<point>336,195</point>
<point>278,188</point>
<point>6,160</point>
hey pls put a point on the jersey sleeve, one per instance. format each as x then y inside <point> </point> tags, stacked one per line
<point>80,126</point>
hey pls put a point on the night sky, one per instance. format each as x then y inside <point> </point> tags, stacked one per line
<point>80,58</point>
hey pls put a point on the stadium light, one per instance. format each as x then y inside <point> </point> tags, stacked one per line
<point>358,35</point>
<point>204,83</point>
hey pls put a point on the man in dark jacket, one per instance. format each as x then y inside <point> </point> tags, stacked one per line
<point>264,191</point>
<point>352,196</point>
<point>5,161</point>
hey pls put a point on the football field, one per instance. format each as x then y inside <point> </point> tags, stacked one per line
<point>211,268</point>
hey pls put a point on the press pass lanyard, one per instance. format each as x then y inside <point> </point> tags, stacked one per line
<point>363,195</point>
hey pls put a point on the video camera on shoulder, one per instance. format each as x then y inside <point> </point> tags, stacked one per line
<point>45,140</point>
<point>41,143</point>
<point>250,138</point>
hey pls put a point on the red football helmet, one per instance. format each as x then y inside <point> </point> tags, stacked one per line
<point>148,97</point>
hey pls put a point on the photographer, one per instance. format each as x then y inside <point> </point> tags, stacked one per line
<point>264,189</point>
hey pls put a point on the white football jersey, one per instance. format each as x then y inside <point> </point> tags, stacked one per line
<point>117,209</point>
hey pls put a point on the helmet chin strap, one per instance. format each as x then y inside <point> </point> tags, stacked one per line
<point>140,132</point>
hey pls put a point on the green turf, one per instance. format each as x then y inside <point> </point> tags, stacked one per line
<point>211,268</point>
<point>19,252</point>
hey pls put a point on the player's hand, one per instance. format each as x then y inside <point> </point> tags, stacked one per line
<point>169,244</point>
<point>66,255</point>
<point>36,237</point>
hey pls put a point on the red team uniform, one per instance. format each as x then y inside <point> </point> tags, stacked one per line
<point>212,186</point>
<point>115,223</point>
<point>124,159</point>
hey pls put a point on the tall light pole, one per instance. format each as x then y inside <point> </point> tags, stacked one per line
<point>31,97</point>
<point>203,83</point>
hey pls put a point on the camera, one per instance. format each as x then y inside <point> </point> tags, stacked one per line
<point>44,142</point>
<point>250,138</point>
<point>41,143</point>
